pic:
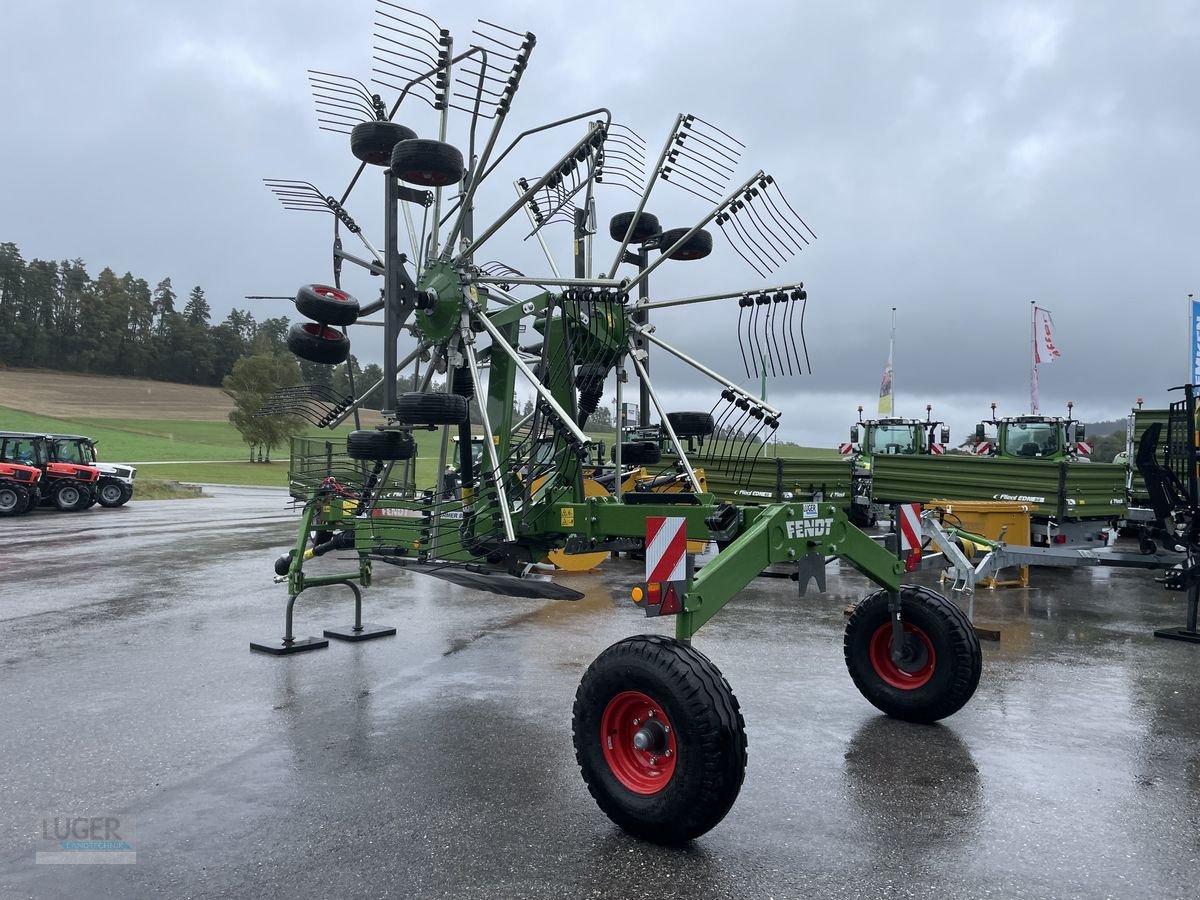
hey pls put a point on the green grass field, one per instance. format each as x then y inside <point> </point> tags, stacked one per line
<point>213,452</point>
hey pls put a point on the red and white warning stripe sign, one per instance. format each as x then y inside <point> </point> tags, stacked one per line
<point>982,448</point>
<point>909,515</point>
<point>910,526</point>
<point>937,449</point>
<point>666,548</point>
<point>1085,448</point>
<point>845,449</point>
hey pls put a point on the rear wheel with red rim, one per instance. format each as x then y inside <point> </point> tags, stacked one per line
<point>659,738</point>
<point>936,669</point>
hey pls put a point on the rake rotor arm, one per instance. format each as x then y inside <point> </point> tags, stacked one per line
<point>666,422</point>
<point>671,135</point>
<point>712,214</point>
<point>648,333</point>
<point>705,298</point>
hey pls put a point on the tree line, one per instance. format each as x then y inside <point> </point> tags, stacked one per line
<point>54,315</point>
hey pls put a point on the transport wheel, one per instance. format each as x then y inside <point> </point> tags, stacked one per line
<point>68,497</point>
<point>427,163</point>
<point>372,142</point>
<point>1147,546</point>
<point>14,500</point>
<point>416,408</point>
<point>646,228</point>
<point>638,453</point>
<point>385,445</point>
<point>317,343</point>
<point>692,424</point>
<point>698,246</point>
<point>326,304</point>
<point>659,738</point>
<point>111,494</point>
<point>939,669</point>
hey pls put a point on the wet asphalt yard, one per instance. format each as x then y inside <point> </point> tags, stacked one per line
<point>439,763</point>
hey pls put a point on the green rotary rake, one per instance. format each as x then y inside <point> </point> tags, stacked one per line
<point>658,732</point>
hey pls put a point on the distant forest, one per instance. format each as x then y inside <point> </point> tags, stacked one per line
<point>54,315</point>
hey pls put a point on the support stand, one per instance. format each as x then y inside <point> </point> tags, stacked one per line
<point>289,644</point>
<point>1188,633</point>
<point>359,631</point>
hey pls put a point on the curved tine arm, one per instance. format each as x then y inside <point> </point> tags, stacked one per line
<point>612,271</point>
<point>567,121</point>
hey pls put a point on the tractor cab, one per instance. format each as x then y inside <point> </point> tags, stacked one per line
<point>1051,438</point>
<point>896,437</point>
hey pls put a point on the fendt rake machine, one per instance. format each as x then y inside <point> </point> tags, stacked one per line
<point>658,732</point>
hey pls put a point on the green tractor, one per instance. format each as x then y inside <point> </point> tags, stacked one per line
<point>1050,438</point>
<point>871,438</point>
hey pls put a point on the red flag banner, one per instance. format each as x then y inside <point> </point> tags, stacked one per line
<point>1044,348</point>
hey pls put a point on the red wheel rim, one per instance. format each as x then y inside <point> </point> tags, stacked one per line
<point>638,742</point>
<point>331,293</point>
<point>319,331</point>
<point>903,676</point>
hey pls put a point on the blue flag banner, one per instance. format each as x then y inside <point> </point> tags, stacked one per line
<point>1195,369</point>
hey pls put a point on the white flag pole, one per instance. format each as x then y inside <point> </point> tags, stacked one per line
<point>891,359</point>
<point>1033,379</point>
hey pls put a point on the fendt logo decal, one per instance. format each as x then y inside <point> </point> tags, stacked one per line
<point>809,528</point>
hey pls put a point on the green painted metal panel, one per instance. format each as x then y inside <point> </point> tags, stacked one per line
<point>1078,490</point>
<point>769,479</point>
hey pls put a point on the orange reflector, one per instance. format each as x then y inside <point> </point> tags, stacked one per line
<point>653,593</point>
<point>637,594</point>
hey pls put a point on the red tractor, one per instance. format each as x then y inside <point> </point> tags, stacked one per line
<point>18,488</point>
<point>70,487</point>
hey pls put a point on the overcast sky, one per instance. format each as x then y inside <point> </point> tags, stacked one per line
<point>957,160</point>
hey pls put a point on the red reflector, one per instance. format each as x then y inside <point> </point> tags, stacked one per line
<point>912,560</point>
<point>1060,539</point>
<point>654,593</point>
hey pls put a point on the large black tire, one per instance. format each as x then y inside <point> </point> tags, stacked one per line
<point>14,499</point>
<point>944,663</point>
<point>680,778</point>
<point>318,343</point>
<point>69,496</point>
<point>35,497</point>
<point>373,142</point>
<point>427,163</point>
<point>647,227</point>
<point>380,445</point>
<point>126,494</point>
<point>692,424</point>
<point>698,246</point>
<point>416,408</point>
<point>638,453</point>
<point>326,304</point>
<point>110,494</point>
<point>861,517</point>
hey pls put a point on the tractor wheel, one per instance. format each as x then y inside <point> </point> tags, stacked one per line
<point>381,445</point>
<point>698,246</point>
<point>647,227</point>
<point>317,343</point>
<point>861,517</point>
<point>126,494</point>
<point>427,163</point>
<point>68,496</point>
<point>942,659</point>
<point>373,142</point>
<point>14,500</point>
<point>416,408</point>
<point>659,738</point>
<point>90,498</point>
<point>326,304</point>
<point>35,497</point>
<point>692,424</point>
<point>111,494</point>
<point>1147,546</point>
<point>638,453</point>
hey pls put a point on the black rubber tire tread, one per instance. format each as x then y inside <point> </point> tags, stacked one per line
<point>117,500</point>
<point>126,494</point>
<point>35,497</point>
<point>373,142</point>
<point>464,386</point>
<point>385,445</point>
<point>313,302</point>
<point>860,518</point>
<point>318,344</point>
<point>709,729</point>
<point>959,657</point>
<point>427,163</point>
<point>61,504</point>
<point>646,228</point>
<point>692,424</point>
<point>638,453</point>
<point>416,408</point>
<point>698,246</point>
<point>14,500</point>
<point>591,374</point>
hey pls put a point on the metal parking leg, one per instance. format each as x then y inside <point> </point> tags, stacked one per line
<point>289,644</point>
<point>359,631</point>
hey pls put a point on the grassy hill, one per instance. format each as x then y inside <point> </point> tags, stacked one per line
<point>180,432</point>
